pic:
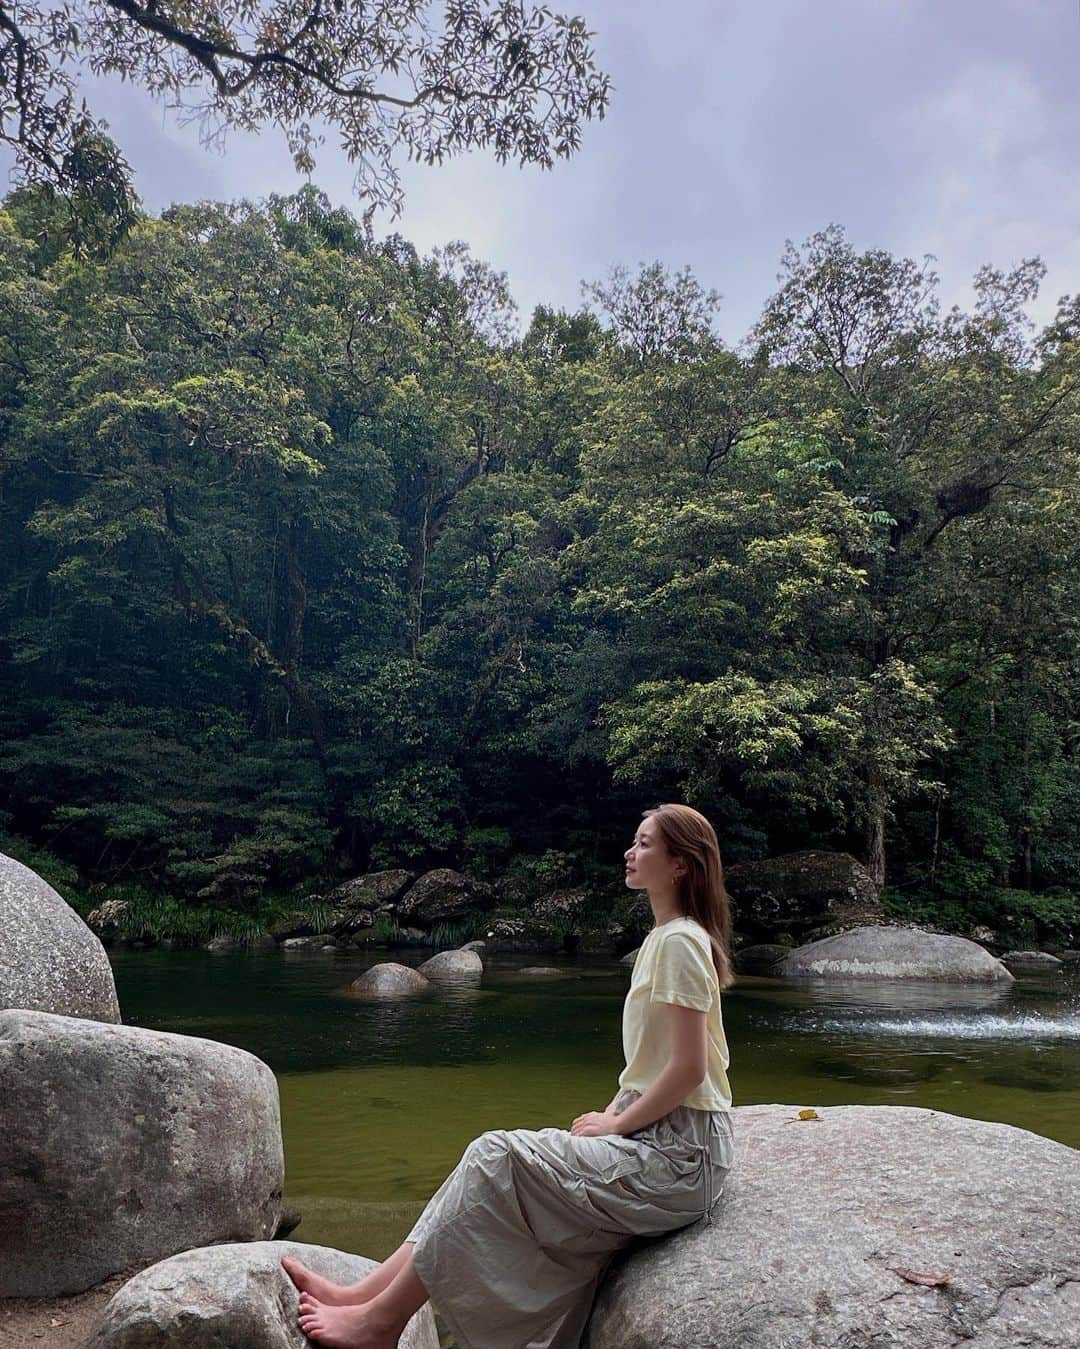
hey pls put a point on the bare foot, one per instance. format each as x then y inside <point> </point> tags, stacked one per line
<point>331,1294</point>
<point>345,1327</point>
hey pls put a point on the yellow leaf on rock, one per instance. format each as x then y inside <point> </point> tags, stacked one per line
<point>809,1114</point>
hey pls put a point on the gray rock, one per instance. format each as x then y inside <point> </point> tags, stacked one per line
<point>298,923</point>
<point>353,921</point>
<point>442,895</point>
<point>375,890</point>
<point>390,980</point>
<point>356,903</point>
<point>289,1219</point>
<point>221,945</point>
<point>234,1295</point>
<point>630,956</point>
<point>50,961</point>
<point>799,891</point>
<point>303,943</point>
<point>107,920</point>
<point>452,965</point>
<point>894,953</point>
<point>817,1215</point>
<point>1031,962</point>
<point>479,946</point>
<point>540,970</point>
<point>410,936</point>
<point>760,958</point>
<point>121,1145</point>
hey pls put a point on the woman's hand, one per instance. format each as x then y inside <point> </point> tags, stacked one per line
<point>596,1123</point>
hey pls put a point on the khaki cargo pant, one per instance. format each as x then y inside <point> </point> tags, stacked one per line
<point>512,1246</point>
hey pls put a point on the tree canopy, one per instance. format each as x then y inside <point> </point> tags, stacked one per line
<point>399,76</point>
<point>309,565</point>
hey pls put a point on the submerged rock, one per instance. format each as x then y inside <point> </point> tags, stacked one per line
<point>822,1224</point>
<point>1031,962</point>
<point>895,953</point>
<point>453,965</point>
<point>390,980</point>
<point>50,961</point>
<point>236,1295</point>
<point>121,1145</point>
<point>539,970</point>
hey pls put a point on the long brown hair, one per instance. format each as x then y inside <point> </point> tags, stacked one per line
<point>700,891</point>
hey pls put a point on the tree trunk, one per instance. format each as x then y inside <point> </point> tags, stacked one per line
<point>875,836</point>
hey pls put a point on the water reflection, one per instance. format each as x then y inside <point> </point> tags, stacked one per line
<point>917,994</point>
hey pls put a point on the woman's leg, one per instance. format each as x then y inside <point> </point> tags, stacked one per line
<point>375,1324</point>
<point>346,1295</point>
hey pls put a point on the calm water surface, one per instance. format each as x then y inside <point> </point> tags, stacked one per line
<point>379,1100</point>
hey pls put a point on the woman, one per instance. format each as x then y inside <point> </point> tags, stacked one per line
<point>514,1243</point>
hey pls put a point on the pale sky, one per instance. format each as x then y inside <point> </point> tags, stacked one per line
<point>949,127</point>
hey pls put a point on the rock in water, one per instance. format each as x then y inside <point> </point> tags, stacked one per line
<point>823,1222</point>
<point>234,1295</point>
<point>452,965</point>
<point>1031,962</point>
<point>50,961</point>
<point>390,980</point>
<point>120,1146</point>
<point>895,953</point>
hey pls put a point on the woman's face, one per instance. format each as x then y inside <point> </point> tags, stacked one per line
<point>649,865</point>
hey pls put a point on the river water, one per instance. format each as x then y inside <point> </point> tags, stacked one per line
<point>379,1099</point>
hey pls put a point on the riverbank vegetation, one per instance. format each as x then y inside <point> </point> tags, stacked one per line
<point>313,562</point>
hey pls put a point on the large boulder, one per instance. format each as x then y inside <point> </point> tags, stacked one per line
<point>826,1226</point>
<point>235,1295</point>
<point>390,980</point>
<point>356,901</point>
<point>442,895</point>
<point>452,965</point>
<point>121,1145</point>
<point>799,891</point>
<point>374,890</point>
<point>523,932</point>
<point>892,952</point>
<point>50,961</point>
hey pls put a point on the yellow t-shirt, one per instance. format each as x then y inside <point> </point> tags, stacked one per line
<point>674,964</point>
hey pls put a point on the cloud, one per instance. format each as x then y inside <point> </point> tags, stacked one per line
<point>996,179</point>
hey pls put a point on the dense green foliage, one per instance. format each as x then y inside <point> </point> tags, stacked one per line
<point>309,564</point>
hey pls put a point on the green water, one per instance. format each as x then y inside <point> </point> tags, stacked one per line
<point>379,1099</point>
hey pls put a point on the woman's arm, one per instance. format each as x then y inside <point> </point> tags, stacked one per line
<point>684,1070</point>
